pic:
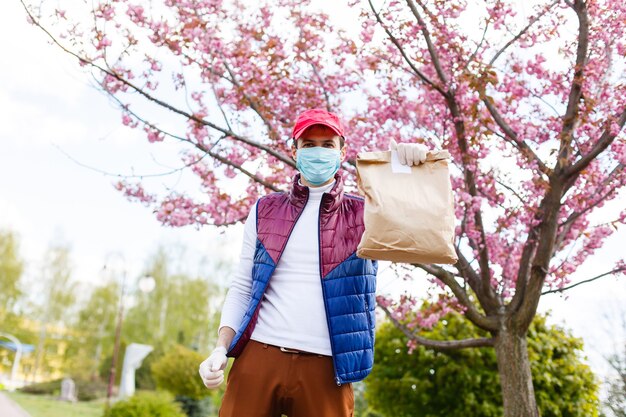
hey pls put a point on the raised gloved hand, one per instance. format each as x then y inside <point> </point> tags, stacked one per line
<point>212,368</point>
<point>409,153</point>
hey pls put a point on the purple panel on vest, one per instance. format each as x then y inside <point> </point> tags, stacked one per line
<point>341,233</point>
<point>275,221</point>
<point>341,222</point>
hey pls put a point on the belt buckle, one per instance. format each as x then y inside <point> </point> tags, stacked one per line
<point>284,349</point>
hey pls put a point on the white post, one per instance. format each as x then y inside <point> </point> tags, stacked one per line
<point>134,355</point>
<point>16,359</point>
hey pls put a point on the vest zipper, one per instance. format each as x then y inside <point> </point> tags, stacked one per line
<point>319,249</point>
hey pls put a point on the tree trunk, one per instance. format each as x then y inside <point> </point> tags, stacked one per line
<point>515,377</point>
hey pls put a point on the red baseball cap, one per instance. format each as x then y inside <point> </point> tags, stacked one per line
<point>316,117</point>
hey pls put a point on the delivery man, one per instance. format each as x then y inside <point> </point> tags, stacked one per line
<point>299,313</point>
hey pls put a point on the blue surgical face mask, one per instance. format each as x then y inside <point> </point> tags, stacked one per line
<point>317,165</point>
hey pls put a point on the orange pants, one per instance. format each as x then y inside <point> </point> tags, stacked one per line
<point>266,382</point>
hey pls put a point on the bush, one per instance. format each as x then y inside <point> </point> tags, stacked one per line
<point>146,404</point>
<point>43,388</point>
<point>195,408</point>
<point>90,390</point>
<point>177,372</point>
<point>466,382</point>
<point>85,390</point>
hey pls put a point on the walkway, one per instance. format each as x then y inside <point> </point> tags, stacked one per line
<point>8,408</point>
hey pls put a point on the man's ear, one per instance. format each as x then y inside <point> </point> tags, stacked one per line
<point>294,150</point>
<point>343,151</point>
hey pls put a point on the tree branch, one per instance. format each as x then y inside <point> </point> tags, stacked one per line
<point>569,287</point>
<point>271,130</point>
<point>201,147</point>
<point>605,140</point>
<point>471,313</point>
<point>320,80</point>
<point>227,132</point>
<point>566,225</point>
<point>511,136</point>
<point>469,274</point>
<point>393,39</point>
<point>522,32</point>
<point>482,39</point>
<point>440,345</point>
<point>571,114</point>
<point>536,256</point>
<point>431,48</point>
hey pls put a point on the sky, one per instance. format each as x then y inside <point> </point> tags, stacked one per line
<point>57,132</point>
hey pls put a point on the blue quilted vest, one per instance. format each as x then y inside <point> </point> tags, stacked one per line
<point>348,282</point>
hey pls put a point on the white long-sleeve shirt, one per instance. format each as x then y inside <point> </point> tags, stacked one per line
<point>292,310</point>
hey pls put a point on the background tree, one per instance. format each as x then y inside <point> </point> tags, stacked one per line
<point>616,398</point>
<point>176,372</point>
<point>180,310</point>
<point>94,331</point>
<point>11,268</point>
<point>54,302</point>
<point>615,382</point>
<point>424,382</point>
<point>537,145</point>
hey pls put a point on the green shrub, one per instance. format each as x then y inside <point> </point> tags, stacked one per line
<point>465,382</point>
<point>90,390</point>
<point>177,372</point>
<point>146,404</point>
<point>43,388</point>
<point>195,408</point>
<point>85,390</point>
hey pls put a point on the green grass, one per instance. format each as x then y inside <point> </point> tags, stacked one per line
<point>46,406</point>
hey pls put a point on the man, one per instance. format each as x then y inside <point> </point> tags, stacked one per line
<point>299,314</point>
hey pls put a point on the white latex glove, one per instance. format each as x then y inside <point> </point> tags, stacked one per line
<point>212,368</point>
<point>409,153</point>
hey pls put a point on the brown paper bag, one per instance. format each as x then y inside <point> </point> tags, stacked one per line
<point>409,211</point>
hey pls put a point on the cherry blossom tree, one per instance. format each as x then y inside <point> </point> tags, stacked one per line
<point>528,97</point>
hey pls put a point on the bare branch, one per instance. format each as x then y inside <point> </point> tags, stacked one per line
<point>395,41</point>
<point>585,281</point>
<point>111,174</point>
<point>201,147</point>
<point>320,80</point>
<point>471,313</point>
<point>440,345</point>
<point>508,187</point>
<point>482,39</point>
<point>522,32</point>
